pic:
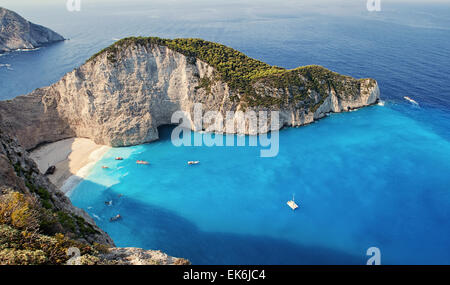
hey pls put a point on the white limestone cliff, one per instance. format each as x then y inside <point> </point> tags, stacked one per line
<point>122,102</point>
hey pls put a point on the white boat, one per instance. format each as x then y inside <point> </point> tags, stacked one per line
<point>193,162</point>
<point>411,100</point>
<point>292,204</point>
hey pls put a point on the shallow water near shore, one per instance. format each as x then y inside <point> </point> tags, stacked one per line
<point>361,179</point>
<point>373,177</point>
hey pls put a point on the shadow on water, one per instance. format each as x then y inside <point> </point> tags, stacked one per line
<point>151,227</point>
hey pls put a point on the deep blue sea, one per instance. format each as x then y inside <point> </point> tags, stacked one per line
<point>376,177</point>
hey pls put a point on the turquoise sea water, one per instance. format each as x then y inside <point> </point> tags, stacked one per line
<point>367,178</point>
<point>374,177</point>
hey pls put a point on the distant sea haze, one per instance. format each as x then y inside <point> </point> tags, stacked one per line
<point>376,177</point>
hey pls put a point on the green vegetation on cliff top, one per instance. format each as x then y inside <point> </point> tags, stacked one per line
<point>240,72</point>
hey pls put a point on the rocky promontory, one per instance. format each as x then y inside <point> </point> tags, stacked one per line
<point>122,95</point>
<point>18,33</point>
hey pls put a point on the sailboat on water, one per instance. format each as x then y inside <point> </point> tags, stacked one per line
<point>292,203</point>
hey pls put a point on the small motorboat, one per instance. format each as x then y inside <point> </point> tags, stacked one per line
<point>119,158</point>
<point>105,167</point>
<point>193,162</point>
<point>292,204</point>
<point>115,218</point>
<point>142,162</point>
<point>411,100</point>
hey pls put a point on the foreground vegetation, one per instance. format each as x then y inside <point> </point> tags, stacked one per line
<point>23,240</point>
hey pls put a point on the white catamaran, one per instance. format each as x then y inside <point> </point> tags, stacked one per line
<point>292,203</point>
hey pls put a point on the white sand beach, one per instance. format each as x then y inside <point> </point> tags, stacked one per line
<point>73,159</point>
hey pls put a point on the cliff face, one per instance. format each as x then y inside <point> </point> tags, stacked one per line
<point>18,33</point>
<point>121,96</point>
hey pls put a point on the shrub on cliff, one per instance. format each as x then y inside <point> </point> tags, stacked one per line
<point>19,211</point>
<point>22,247</point>
<point>22,257</point>
<point>21,219</point>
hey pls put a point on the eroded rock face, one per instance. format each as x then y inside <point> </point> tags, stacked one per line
<point>18,33</point>
<point>122,101</point>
